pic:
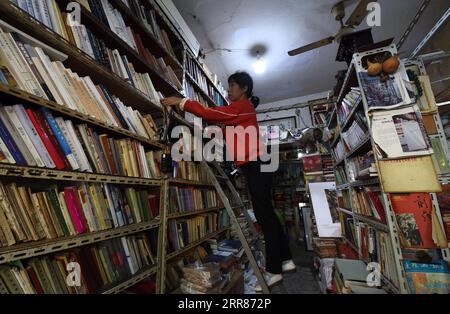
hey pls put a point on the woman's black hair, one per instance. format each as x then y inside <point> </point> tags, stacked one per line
<point>243,79</point>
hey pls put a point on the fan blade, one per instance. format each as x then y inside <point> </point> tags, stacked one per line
<point>317,44</point>
<point>359,13</point>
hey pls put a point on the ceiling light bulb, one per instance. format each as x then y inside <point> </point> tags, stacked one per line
<point>259,66</point>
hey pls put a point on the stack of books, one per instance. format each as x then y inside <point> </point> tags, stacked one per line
<point>31,215</point>
<point>101,266</point>
<point>201,279</point>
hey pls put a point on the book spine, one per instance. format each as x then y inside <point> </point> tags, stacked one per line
<point>38,123</point>
<point>75,210</point>
<point>21,130</point>
<point>11,145</point>
<point>34,135</point>
<point>60,138</point>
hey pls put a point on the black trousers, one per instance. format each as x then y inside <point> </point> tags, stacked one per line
<point>260,184</point>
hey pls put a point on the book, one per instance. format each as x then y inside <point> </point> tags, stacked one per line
<point>381,95</point>
<point>414,219</point>
<point>412,180</point>
<point>427,278</point>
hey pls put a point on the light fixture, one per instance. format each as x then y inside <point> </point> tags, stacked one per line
<point>260,65</point>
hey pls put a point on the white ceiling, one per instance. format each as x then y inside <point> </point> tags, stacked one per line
<point>283,25</point>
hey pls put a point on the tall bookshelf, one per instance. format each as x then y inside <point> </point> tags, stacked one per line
<point>84,64</point>
<point>393,277</point>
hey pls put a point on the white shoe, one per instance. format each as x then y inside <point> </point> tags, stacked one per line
<point>271,280</point>
<point>288,266</point>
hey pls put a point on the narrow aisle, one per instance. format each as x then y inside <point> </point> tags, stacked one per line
<point>303,281</point>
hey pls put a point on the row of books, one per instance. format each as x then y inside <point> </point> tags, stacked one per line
<point>45,11</point>
<point>83,38</point>
<point>94,267</point>
<point>28,214</point>
<point>29,68</point>
<point>351,100</point>
<point>368,202</point>
<point>34,137</point>
<point>362,167</point>
<point>191,199</point>
<point>356,133</point>
<point>375,246</point>
<point>339,151</point>
<point>192,94</point>
<point>182,232</point>
<point>197,74</point>
<point>189,170</point>
<point>149,18</point>
<point>340,175</point>
<point>321,113</point>
<point>112,17</point>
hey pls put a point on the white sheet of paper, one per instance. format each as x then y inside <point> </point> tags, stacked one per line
<point>324,221</point>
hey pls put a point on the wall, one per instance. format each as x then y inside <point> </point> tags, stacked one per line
<point>305,113</point>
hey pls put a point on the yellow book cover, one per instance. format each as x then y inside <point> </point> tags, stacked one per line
<point>403,175</point>
<point>97,205</point>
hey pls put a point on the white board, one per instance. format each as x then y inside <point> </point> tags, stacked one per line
<point>325,225</point>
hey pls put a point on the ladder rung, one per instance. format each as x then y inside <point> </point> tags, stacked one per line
<point>222,177</point>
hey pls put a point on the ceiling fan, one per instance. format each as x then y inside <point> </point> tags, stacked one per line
<point>338,11</point>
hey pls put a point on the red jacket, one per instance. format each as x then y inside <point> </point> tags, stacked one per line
<point>238,114</point>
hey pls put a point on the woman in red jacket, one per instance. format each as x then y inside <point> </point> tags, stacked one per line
<point>241,112</point>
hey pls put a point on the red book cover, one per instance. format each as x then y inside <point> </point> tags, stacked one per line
<point>377,204</point>
<point>76,213</point>
<point>46,139</point>
<point>35,281</point>
<point>413,213</point>
<point>312,164</point>
<point>44,123</point>
<point>153,201</point>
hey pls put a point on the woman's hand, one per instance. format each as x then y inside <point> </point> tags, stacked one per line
<point>171,101</point>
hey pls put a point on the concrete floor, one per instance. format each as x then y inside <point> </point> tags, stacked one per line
<point>303,281</point>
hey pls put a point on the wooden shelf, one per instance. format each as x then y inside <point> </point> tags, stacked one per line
<point>365,182</point>
<point>372,222</point>
<point>351,74</point>
<point>18,94</point>
<point>134,279</point>
<point>153,44</point>
<point>193,213</point>
<point>38,248</point>
<point>196,243</point>
<point>63,175</point>
<point>345,211</point>
<point>188,182</point>
<point>78,60</point>
<point>207,77</point>
<point>358,147</point>
<point>343,186</point>
<point>115,42</point>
